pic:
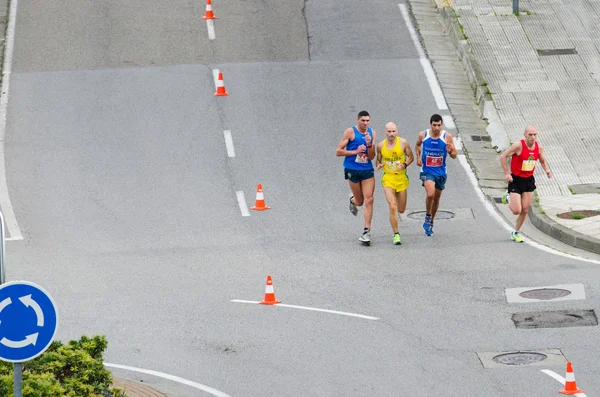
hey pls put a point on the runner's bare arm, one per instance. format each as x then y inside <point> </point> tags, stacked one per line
<point>371,148</point>
<point>450,146</point>
<point>418,148</point>
<point>515,148</point>
<point>544,163</point>
<point>379,162</point>
<point>341,148</point>
<point>408,152</point>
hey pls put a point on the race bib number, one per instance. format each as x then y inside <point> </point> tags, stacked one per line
<point>528,165</point>
<point>393,166</point>
<point>431,161</point>
<point>362,158</point>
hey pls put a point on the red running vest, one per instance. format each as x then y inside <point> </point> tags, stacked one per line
<point>523,164</point>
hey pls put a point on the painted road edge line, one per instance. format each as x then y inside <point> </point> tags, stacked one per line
<point>229,143</point>
<point>560,379</point>
<point>434,85</point>
<point>210,25</point>
<point>242,203</point>
<point>173,378</point>
<point>462,159</point>
<point>449,121</point>
<point>314,309</point>
<point>5,204</point>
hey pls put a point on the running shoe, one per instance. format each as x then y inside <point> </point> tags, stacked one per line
<point>505,198</point>
<point>427,223</point>
<point>353,208</point>
<point>429,231</point>
<point>365,238</point>
<point>516,236</point>
<point>397,239</point>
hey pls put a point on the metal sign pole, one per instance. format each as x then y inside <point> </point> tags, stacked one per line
<point>3,247</point>
<point>18,380</point>
<point>18,369</point>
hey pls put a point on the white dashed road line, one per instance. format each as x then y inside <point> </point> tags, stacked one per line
<point>229,143</point>
<point>216,76</point>
<point>434,85</point>
<point>242,203</point>
<point>314,309</point>
<point>5,204</point>
<point>173,378</point>
<point>211,29</point>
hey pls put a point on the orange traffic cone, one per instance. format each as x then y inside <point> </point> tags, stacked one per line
<point>220,85</point>
<point>260,200</point>
<point>570,384</point>
<point>209,12</point>
<point>269,294</point>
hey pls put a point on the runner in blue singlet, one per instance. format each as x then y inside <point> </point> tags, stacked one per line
<point>358,149</point>
<point>431,149</point>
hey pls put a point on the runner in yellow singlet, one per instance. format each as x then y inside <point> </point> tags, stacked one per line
<point>394,155</point>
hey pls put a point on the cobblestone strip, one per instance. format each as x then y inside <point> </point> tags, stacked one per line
<point>136,389</point>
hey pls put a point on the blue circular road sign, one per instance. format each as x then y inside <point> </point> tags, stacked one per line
<point>28,320</point>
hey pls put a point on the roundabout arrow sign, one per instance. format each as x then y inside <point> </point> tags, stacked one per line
<point>28,320</point>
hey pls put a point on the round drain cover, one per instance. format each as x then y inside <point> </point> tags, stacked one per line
<point>438,215</point>
<point>520,358</point>
<point>545,293</point>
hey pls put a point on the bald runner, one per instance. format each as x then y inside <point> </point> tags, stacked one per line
<point>394,156</point>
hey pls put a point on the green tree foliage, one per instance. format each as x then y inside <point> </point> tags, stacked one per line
<point>72,370</point>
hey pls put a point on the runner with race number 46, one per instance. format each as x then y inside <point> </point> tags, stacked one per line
<point>431,149</point>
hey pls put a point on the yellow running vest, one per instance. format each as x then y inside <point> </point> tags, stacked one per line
<point>393,158</point>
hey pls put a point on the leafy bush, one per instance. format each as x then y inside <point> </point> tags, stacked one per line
<point>72,370</point>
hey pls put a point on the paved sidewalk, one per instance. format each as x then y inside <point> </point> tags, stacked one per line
<point>541,67</point>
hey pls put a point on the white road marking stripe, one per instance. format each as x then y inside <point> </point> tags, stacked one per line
<point>314,309</point>
<point>434,85</point>
<point>211,29</point>
<point>449,121</point>
<point>500,219</point>
<point>560,379</point>
<point>173,378</point>
<point>7,209</point>
<point>229,143</point>
<point>216,76</point>
<point>242,203</point>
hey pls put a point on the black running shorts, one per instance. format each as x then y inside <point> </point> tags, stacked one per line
<point>521,185</point>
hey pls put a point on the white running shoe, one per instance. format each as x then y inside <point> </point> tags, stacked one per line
<point>365,238</point>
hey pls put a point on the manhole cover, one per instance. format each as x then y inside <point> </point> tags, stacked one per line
<point>545,293</point>
<point>520,358</point>
<point>558,51</point>
<point>555,319</point>
<point>438,215</point>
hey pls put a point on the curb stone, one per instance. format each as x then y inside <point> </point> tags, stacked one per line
<point>560,232</point>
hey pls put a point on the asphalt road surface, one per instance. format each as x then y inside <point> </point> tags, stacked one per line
<point>126,197</point>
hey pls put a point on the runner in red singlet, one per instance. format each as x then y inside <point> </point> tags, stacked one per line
<point>521,182</point>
